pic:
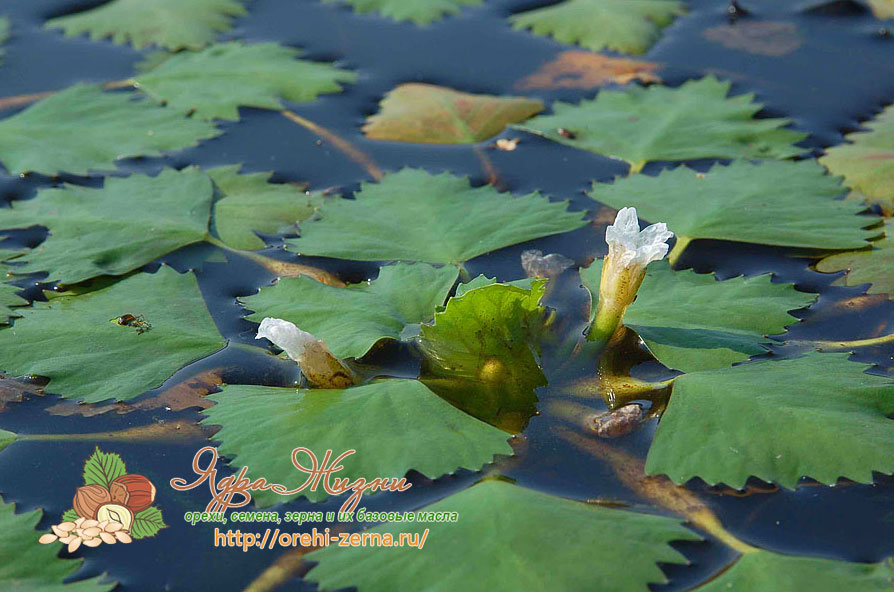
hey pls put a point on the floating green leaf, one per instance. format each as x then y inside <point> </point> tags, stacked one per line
<point>478,353</point>
<point>351,320</point>
<point>641,125</point>
<point>147,523</point>
<point>421,12</point>
<point>7,438</point>
<point>827,417</point>
<point>77,343</point>
<point>9,297</point>
<point>97,232</point>
<point>773,203</point>
<point>83,128</point>
<point>415,216</point>
<point>430,114</point>
<point>250,205</point>
<point>173,24</point>
<point>692,322</point>
<point>101,468</point>
<point>28,566</point>
<point>526,540</point>
<point>867,161</point>
<point>394,425</point>
<point>627,26</point>
<point>874,267</point>
<point>482,280</point>
<point>764,570</point>
<point>216,81</point>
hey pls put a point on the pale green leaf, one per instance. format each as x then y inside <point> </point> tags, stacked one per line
<point>394,426</point>
<point>874,266</point>
<point>7,438</point>
<point>764,570</point>
<point>627,26</point>
<point>482,280</point>
<point>351,320</point>
<point>774,203</point>
<point>415,216</point>
<point>511,538</point>
<point>866,161</point>
<point>692,322</point>
<point>420,12</point>
<point>101,468</point>
<point>173,24</point>
<point>218,80</point>
<point>28,566</point>
<point>695,120</point>
<point>821,415</point>
<point>76,342</point>
<point>113,230</point>
<point>83,129</point>
<point>425,113</point>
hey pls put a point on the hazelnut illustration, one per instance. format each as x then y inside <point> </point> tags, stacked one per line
<point>115,513</point>
<point>88,498</point>
<point>136,492</point>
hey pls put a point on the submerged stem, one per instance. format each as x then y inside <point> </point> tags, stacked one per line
<point>282,268</point>
<point>346,147</point>
<point>18,100</point>
<point>846,345</point>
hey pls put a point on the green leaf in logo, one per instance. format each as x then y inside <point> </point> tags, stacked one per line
<point>101,468</point>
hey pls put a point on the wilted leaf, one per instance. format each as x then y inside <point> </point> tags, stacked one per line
<point>76,342</point>
<point>696,120</point>
<point>867,161</point>
<point>774,203</point>
<point>431,114</point>
<point>84,129</point>
<point>394,425</point>
<point>872,266</point>
<point>766,38</point>
<point>13,390</point>
<point>478,353</point>
<point>251,205</point>
<point>218,80</point>
<point>421,12</point>
<point>351,320</point>
<point>765,570</point>
<point>523,540</point>
<point>828,420</point>
<point>620,25</point>
<point>173,24</point>
<point>28,566</point>
<point>692,322</point>
<point>586,70</point>
<point>103,231</point>
<point>431,218</point>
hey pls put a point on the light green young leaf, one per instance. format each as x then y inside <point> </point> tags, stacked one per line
<point>627,26</point>
<point>105,231</point>
<point>828,420</point>
<point>394,425</point>
<point>774,203</point>
<point>412,215</point>
<point>478,353</point>
<point>524,540</point>
<point>76,342</point>
<point>7,438</point>
<point>28,566</point>
<point>147,523</point>
<point>420,12</point>
<point>874,267</point>
<point>692,322</point>
<point>765,570</point>
<point>216,81</point>
<point>173,24</point>
<point>866,161</point>
<point>351,320</point>
<point>250,205</point>
<point>429,114</point>
<point>101,468</point>
<point>83,129</point>
<point>695,120</point>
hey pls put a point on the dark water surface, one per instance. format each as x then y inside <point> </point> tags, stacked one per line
<point>842,74</point>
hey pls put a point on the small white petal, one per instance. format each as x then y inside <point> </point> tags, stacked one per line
<point>286,336</point>
<point>629,245</point>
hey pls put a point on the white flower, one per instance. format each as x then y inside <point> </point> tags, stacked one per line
<point>312,355</point>
<point>286,336</point>
<point>628,245</point>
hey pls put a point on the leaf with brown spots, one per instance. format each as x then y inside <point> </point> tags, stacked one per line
<point>13,390</point>
<point>429,114</point>
<point>585,70</point>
